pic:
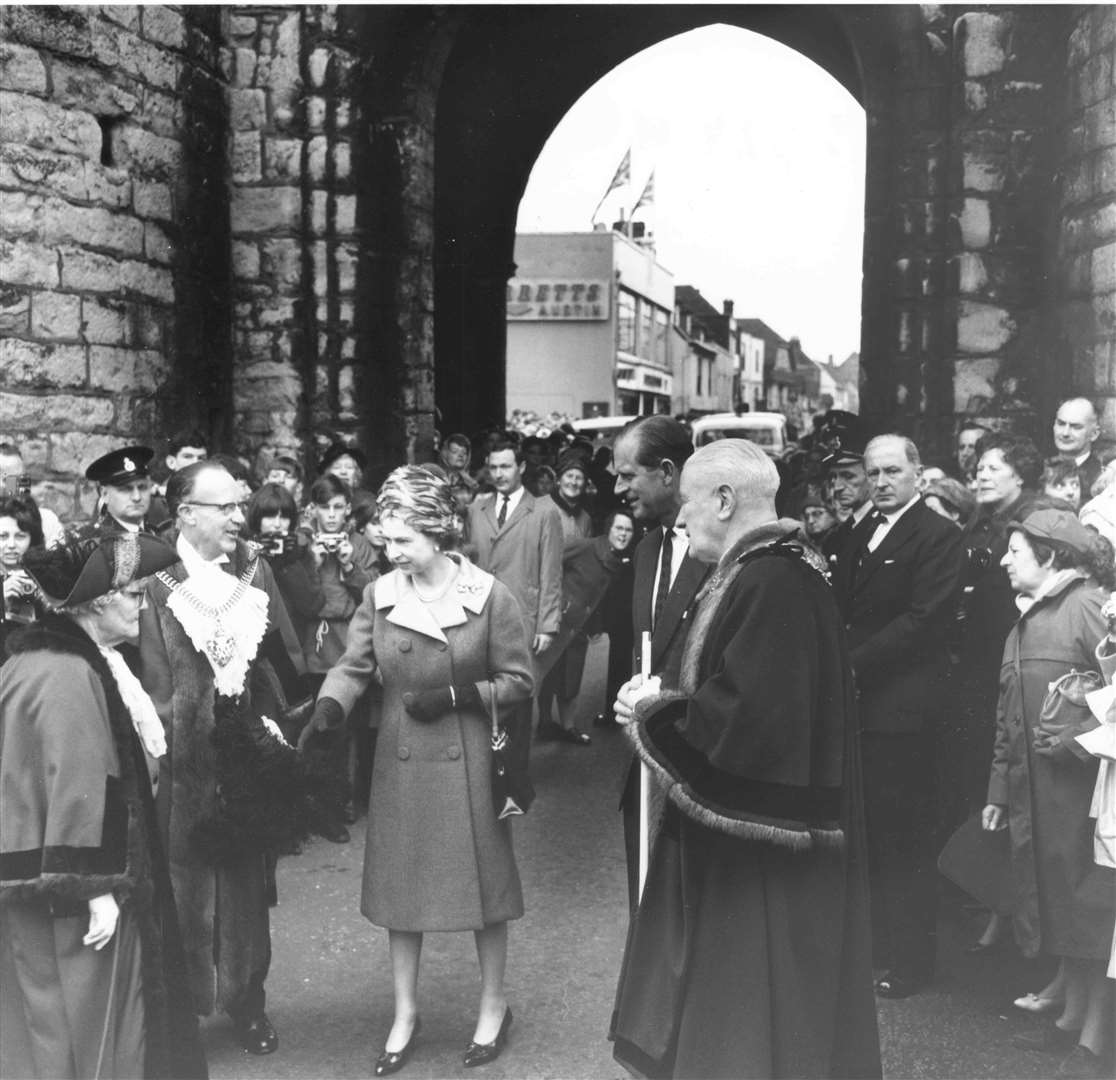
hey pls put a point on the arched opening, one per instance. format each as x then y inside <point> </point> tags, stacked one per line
<point>511,77</point>
<point>741,186</point>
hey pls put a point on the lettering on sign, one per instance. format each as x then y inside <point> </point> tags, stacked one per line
<point>555,300</point>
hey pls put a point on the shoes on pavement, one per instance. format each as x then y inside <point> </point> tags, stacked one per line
<point>483,1053</point>
<point>1083,1064</point>
<point>349,813</point>
<point>893,985</point>
<point>1032,1003</point>
<point>256,1035</point>
<point>1048,1039</point>
<point>578,738</point>
<point>604,720</point>
<point>389,1062</point>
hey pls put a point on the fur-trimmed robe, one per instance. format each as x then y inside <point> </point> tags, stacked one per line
<point>77,820</point>
<point>237,947</point>
<point>749,954</point>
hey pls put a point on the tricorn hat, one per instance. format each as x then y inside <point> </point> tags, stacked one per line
<point>82,570</point>
<point>121,466</point>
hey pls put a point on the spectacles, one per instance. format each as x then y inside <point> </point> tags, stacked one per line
<point>228,509</point>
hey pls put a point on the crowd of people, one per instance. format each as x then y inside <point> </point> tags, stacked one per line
<point>251,659</point>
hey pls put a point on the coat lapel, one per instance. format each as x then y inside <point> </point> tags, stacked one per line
<point>676,606</point>
<point>646,559</point>
<point>526,506</point>
<point>897,536</point>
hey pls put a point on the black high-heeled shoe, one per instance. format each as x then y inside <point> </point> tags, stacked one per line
<point>389,1062</point>
<point>483,1053</point>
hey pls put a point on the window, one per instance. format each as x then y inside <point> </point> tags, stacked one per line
<point>646,330</point>
<point>662,330</point>
<point>626,322</point>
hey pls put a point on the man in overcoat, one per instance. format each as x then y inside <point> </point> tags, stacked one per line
<point>749,954</point>
<point>647,459</point>
<point>517,538</point>
<point>211,618</point>
<point>898,579</point>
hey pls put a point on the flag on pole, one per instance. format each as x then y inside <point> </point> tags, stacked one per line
<point>622,178</point>
<point>648,196</point>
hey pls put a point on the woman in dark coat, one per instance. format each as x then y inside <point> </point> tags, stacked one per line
<point>443,637</point>
<point>1042,780</point>
<point>91,964</point>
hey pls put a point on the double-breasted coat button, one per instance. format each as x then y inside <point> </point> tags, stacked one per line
<point>405,645</point>
<point>404,753</point>
<point>408,698</point>
<point>453,753</point>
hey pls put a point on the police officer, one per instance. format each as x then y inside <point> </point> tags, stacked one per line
<point>125,488</point>
<point>840,439</point>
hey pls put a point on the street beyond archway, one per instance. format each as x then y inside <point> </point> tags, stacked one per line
<point>329,992</point>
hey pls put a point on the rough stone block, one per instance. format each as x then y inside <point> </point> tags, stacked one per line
<point>246,158</point>
<point>56,222</point>
<point>89,271</point>
<point>153,200</point>
<point>983,328</point>
<point>38,364</point>
<point>106,185</point>
<point>974,384</point>
<point>151,156</point>
<point>146,322</point>
<point>21,69</point>
<point>163,26</point>
<point>316,158</point>
<point>1093,83</point>
<point>319,204</point>
<point>157,246</point>
<point>982,39</point>
<point>141,59</point>
<point>282,159</point>
<point>15,312</point>
<point>243,26</point>
<point>26,263</point>
<point>315,113</point>
<point>83,87</point>
<point>118,371</point>
<point>265,210</point>
<point>62,29</point>
<point>247,109</point>
<point>1100,124</point>
<point>341,116</point>
<point>73,452</point>
<point>280,312</point>
<point>347,259</point>
<point>284,81</point>
<point>28,121</point>
<point>345,215</point>
<point>163,114</point>
<point>281,263</point>
<point>1104,268</point>
<point>244,70</point>
<point>104,321</point>
<point>56,315</point>
<point>126,15</point>
<point>245,260</point>
<point>319,67</point>
<point>972,277</point>
<point>975,221</point>
<point>154,281</point>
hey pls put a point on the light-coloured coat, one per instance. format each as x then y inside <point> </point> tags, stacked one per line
<point>525,555</point>
<point>436,857</point>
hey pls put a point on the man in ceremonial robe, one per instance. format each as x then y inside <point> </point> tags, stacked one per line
<point>214,616</point>
<point>749,954</point>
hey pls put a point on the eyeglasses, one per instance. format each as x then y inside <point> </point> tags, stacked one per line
<point>228,509</point>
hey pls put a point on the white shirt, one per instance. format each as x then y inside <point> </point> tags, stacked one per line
<point>681,545</point>
<point>193,560</point>
<point>884,527</point>
<point>513,497</point>
<point>861,512</point>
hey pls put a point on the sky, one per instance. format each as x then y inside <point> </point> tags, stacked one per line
<point>758,157</point>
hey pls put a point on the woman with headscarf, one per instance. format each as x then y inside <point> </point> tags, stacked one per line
<point>1042,780</point>
<point>90,957</point>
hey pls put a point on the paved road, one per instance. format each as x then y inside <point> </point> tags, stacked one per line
<point>330,988</point>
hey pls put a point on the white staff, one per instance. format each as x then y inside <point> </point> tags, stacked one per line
<point>644,778</point>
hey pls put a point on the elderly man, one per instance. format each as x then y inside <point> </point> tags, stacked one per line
<point>212,618</point>
<point>125,488</point>
<point>749,954</point>
<point>1076,430</point>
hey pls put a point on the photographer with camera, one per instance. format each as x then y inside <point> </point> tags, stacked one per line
<point>20,530</point>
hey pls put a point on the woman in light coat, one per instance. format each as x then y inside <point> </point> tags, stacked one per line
<point>443,637</point>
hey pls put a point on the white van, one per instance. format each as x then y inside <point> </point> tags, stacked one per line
<point>768,430</point>
<point>605,428</point>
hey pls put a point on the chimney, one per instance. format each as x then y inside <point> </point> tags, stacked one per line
<point>728,306</point>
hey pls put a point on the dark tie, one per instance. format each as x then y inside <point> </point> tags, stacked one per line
<point>664,577</point>
<point>502,516</point>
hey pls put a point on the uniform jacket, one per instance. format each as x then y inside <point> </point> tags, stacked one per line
<point>898,605</point>
<point>526,555</point>
<point>1063,903</point>
<point>437,858</point>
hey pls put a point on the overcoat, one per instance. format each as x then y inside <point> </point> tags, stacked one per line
<point>436,858</point>
<point>749,954</point>
<point>1063,903</point>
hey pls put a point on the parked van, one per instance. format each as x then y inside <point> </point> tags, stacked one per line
<point>604,428</point>
<point>767,430</point>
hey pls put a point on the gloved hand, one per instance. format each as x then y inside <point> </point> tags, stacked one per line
<point>1052,747</point>
<point>428,705</point>
<point>326,716</point>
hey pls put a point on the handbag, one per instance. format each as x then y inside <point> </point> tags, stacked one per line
<point>512,791</point>
<point>1064,705</point>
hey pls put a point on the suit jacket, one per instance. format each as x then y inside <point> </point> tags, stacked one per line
<point>898,604</point>
<point>525,555</point>
<point>669,636</point>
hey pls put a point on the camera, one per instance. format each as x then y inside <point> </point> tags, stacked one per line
<point>20,486</point>
<point>273,546</point>
<point>329,541</point>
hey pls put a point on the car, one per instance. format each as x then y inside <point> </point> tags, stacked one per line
<point>601,428</point>
<point>768,430</point>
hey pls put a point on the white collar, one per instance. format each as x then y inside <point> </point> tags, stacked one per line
<point>895,515</point>
<point>862,511</point>
<point>127,526</point>
<point>192,559</point>
<point>1082,458</point>
<point>514,499</point>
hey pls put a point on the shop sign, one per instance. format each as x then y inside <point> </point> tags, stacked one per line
<point>557,299</point>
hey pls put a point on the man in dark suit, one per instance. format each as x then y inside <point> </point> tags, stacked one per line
<point>840,440</point>
<point>897,580</point>
<point>1076,430</point>
<point>648,456</point>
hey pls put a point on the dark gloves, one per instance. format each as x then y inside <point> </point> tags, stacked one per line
<point>1052,746</point>
<point>327,716</point>
<point>428,705</point>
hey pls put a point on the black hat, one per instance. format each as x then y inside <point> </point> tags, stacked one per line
<point>840,437</point>
<point>571,460</point>
<point>121,466</point>
<point>339,450</point>
<point>82,570</point>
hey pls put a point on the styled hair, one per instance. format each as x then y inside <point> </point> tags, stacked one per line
<point>740,465</point>
<point>973,425</point>
<point>424,500</point>
<point>191,437</point>
<point>610,520</point>
<point>658,439</point>
<point>457,439</point>
<point>1019,452</point>
<point>287,463</point>
<point>507,444</point>
<point>327,487</point>
<point>366,512</point>
<point>1097,561</point>
<point>1058,470</point>
<point>181,484</point>
<point>25,513</point>
<point>269,500</point>
<point>233,466</point>
<point>910,450</point>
